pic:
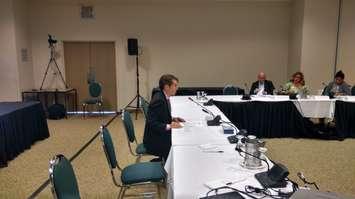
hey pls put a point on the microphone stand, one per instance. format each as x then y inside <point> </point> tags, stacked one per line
<point>138,96</point>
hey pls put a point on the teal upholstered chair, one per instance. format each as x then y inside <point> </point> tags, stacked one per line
<point>95,98</point>
<point>230,90</point>
<point>144,105</point>
<point>62,178</point>
<point>142,173</point>
<point>325,91</point>
<point>140,150</point>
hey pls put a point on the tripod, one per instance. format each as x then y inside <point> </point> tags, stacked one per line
<point>138,96</point>
<point>52,59</point>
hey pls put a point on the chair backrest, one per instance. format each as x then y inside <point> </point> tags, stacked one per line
<point>230,90</point>
<point>128,125</point>
<point>325,91</point>
<point>353,91</point>
<point>109,148</point>
<point>144,105</point>
<point>95,89</point>
<point>155,90</point>
<point>63,180</point>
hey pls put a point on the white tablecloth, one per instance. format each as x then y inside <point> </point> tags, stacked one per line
<point>189,168</point>
<point>314,107</point>
<point>195,130</point>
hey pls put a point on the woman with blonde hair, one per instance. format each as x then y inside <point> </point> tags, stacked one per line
<point>296,84</point>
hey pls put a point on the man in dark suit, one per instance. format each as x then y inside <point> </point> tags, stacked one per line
<point>262,86</point>
<point>157,133</point>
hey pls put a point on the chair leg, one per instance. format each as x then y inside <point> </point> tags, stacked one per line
<point>123,192</point>
<point>101,110</point>
<point>138,159</point>
<point>159,191</point>
<point>119,193</point>
<point>84,107</point>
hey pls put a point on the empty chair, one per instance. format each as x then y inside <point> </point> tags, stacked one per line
<point>155,90</point>
<point>144,104</point>
<point>133,175</point>
<point>230,90</point>
<point>325,90</point>
<point>62,178</point>
<point>95,97</point>
<point>140,150</point>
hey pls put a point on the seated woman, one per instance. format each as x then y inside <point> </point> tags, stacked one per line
<point>296,85</point>
<point>338,86</point>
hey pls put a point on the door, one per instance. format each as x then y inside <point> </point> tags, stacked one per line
<point>98,58</point>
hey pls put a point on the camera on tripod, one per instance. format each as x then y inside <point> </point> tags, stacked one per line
<point>52,58</point>
<point>51,41</point>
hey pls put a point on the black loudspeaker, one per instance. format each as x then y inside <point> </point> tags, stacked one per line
<point>56,112</point>
<point>132,45</point>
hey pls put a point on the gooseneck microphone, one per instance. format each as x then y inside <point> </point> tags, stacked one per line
<point>216,121</point>
<point>203,108</point>
<point>246,95</point>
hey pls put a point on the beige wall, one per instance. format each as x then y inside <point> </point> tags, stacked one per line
<point>207,44</point>
<point>9,79</point>
<point>15,74</point>
<point>204,44</point>
<point>22,36</point>
<point>346,56</point>
<point>319,41</point>
<point>296,33</point>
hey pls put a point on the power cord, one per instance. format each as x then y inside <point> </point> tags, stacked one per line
<point>301,176</point>
<point>231,188</point>
<point>266,192</point>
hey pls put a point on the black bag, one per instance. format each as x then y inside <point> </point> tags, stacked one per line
<point>56,112</point>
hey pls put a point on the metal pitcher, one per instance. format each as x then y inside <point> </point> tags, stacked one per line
<point>252,145</point>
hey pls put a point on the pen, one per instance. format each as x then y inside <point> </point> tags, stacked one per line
<point>214,151</point>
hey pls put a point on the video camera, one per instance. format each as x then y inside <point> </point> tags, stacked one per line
<point>51,41</point>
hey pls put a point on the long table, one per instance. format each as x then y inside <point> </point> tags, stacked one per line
<point>21,124</point>
<point>190,167</point>
<point>277,116</point>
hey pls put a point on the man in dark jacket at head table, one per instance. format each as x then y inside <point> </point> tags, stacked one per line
<point>262,86</point>
<point>157,132</point>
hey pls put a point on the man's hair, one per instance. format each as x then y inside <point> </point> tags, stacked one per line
<point>339,74</point>
<point>166,79</point>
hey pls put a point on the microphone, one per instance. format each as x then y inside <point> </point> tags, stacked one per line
<point>216,121</point>
<point>246,95</point>
<point>203,108</point>
<point>209,102</point>
<point>206,111</point>
<point>246,87</point>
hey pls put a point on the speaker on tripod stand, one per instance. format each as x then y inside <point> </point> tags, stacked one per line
<point>132,47</point>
